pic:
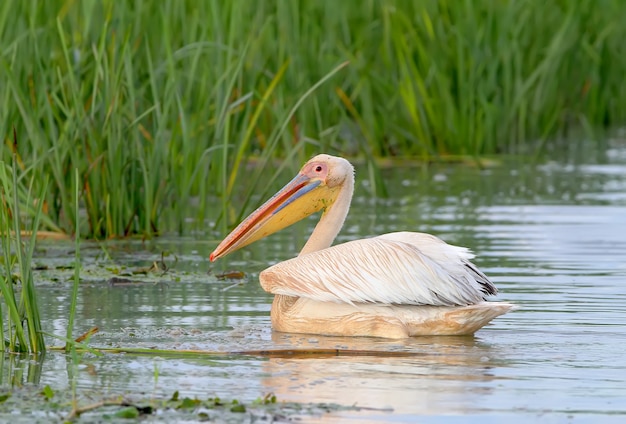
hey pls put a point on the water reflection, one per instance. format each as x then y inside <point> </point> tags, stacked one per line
<point>551,237</point>
<point>18,370</point>
<point>437,374</point>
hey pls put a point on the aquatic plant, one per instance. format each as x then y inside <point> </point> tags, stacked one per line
<point>159,105</point>
<point>20,324</point>
<point>42,403</point>
<point>77,266</point>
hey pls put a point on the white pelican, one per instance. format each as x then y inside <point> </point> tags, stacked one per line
<point>395,285</point>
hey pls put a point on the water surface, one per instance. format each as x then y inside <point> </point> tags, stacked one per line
<point>551,236</point>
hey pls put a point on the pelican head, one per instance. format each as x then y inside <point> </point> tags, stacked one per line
<point>315,188</point>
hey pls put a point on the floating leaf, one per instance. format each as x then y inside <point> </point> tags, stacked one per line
<point>238,408</point>
<point>188,403</point>
<point>47,392</point>
<point>128,412</point>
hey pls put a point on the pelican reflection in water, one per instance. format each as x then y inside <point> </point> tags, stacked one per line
<point>395,285</point>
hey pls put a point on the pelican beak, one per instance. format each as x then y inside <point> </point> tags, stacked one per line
<point>300,198</point>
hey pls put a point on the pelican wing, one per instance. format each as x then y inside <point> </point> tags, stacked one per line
<point>397,268</point>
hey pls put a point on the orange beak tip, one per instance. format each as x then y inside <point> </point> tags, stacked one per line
<point>212,257</point>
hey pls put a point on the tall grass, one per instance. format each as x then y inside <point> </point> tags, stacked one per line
<point>20,324</point>
<point>160,104</point>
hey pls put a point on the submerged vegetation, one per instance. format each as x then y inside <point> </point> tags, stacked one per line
<point>159,105</point>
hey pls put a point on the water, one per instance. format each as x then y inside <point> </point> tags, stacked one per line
<point>552,237</point>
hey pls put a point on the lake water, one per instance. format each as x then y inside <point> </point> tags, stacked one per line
<point>551,236</point>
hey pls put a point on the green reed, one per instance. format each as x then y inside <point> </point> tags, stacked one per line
<point>21,331</point>
<point>77,266</point>
<point>160,105</point>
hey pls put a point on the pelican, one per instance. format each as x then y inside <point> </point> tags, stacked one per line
<point>396,285</point>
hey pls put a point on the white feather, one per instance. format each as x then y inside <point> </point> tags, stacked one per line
<point>398,268</point>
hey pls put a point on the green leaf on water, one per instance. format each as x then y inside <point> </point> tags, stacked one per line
<point>129,412</point>
<point>269,398</point>
<point>47,392</point>
<point>4,397</point>
<point>174,396</point>
<point>188,403</point>
<point>238,407</point>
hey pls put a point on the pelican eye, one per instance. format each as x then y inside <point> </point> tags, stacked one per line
<point>318,168</point>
